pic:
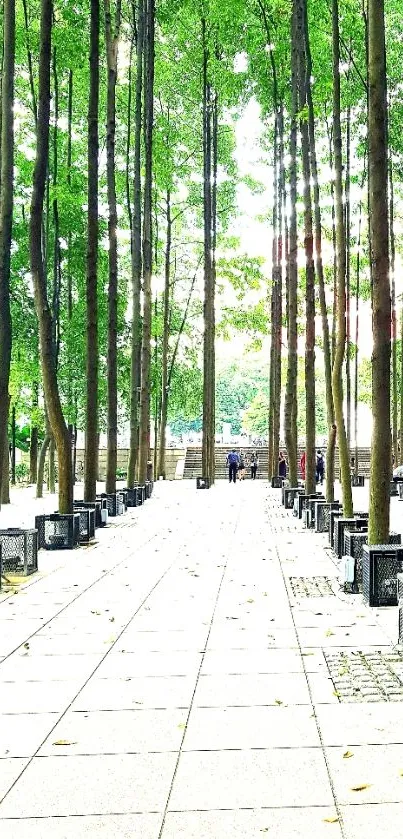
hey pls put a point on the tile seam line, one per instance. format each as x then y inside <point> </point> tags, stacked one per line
<point>77,597</point>
<point>61,716</point>
<point>180,751</point>
<point>322,745</point>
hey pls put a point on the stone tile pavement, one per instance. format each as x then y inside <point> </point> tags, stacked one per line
<point>173,681</point>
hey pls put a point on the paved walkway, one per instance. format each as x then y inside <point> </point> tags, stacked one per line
<point>174,681</point>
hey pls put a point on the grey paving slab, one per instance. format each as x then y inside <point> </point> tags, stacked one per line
<point>287,823</point>
<point>170,641</point>
<point>253,778</point>
<point>379,769</point>
<point>251,728</point>
<point>117,732</point>
<point>37,697</point>
<point>232,638</point>
<point>252,689</point>
<point>251,661</point>
<point>22,737</point>
<point>27,667</point>
<point>133,826</point>
<point>10,769</point>
<point>124,665</point>
<point>361,723</point>
<point>383,820</point>
<point>90,786</point>
<point>137,692</point>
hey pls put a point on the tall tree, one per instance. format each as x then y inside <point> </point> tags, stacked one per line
<point>112,33</point>
<point>149,62</point>
<point>136,256</point>
<point>340,349</point>
<point>291,407</point>
<point>379,506</point>
<point>6,218</point>
<point>47,345</point>
<point>91,437</point>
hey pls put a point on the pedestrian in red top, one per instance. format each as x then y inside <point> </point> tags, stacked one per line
<point>302,465</point>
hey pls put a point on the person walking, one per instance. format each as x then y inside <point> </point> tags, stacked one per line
<point>232,463</point>
<point>241,467</point>
<point>320,468</point>
<point>282,466</point>
<point>254,463</point>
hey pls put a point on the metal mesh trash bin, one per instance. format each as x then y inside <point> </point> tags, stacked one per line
<point>91,505</point>
<point>58,531</point>
<point>19,549</point>
<point>87,524</point>
<point>380,566</point>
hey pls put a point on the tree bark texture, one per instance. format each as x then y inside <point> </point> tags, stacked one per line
<point>337,383</point>
<point>165,340</point>
<point>112,43</point>
<point>290,408</point>
<point>149,56</point>
<point>330,450</point>
<point>136,257</point>
<point>48,358</point>
<point>310,432</point>
<point>395,447</point>
<point>6,215</point>
<point>91,435</point>
<point>379,506</point>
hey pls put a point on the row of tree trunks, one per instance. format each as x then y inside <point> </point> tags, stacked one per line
<point>149,32</point>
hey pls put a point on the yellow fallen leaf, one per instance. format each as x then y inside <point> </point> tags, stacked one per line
<point>278,702</point>
<point>328,633</point>
<point>332,820</point>
<point>336,693</point>
<point>182,725</point>
<point>250,600</point>
<point>348,754</point>
<point>360,787</point>
<point>64,743</point>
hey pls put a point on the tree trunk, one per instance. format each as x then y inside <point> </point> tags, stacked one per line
<point>136,258</point>
<point>52,467</point>
<point>6,216</point>
<point>379,506</point>
<point>48,358</point>
<point>279,291</point>
<point>272,463</point>
<point>91,436</point>
<point>337,382</point>
<point>165,341</point>
<point>149,57</point>
<point>348,283</point>
<point>290,408</point>
<point>394,319</point>
<point>208,442</point>
<point>33,445</point>
<point>13,430</point>
<point>330,451</point>
<point>5,484</point>
<point>357,334</point>
<point>310,431</point>
<point>112,42</point>
<point>41,461</point>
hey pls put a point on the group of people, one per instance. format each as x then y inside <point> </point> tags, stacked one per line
<point>320,467</point>
<point>238,463</point>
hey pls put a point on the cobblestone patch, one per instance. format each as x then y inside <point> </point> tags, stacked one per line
<point>366,677</point>
<point>311,586</point>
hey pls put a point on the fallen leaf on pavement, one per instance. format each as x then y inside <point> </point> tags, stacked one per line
<point>348,754</point>
<point>332,820</point>
<point>360,787</point>
<point>64,743</point>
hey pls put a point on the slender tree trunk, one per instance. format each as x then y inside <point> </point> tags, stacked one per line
<point>290,408</point>
<point>279,288</point>
<point>5,485</point>
<point>310,432</point>
<point>348,276</point>
<point>401,385</point>
<point>394,318</point>
<point>334,241</point>
<point>208,442</point>
<point>55,213</point>
<point>149,57</point>
<point>70,354</point>
<point>42,459</point>
<point>273,464</point>
<point>330,451</point>
<point>33,445</point>
<point>165,339</point>
<point>91,436</point>
<point>112,43</point>
<point>52,467</point>
<point>6,216</point>
<point>13,432</point>
<point>48,354</point>
<point>136,258</point>
<point>357,333</point>
<point>379,507</point>
<point>337,382</point>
